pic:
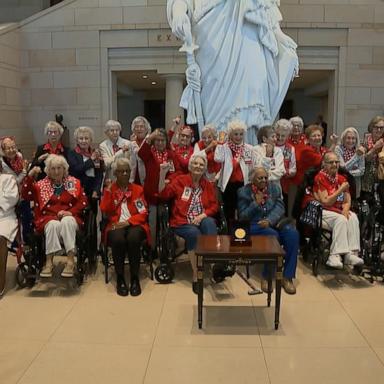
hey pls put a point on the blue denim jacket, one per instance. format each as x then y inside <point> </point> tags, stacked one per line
<point>273,210</point>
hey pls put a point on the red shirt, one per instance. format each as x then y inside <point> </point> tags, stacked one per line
<point>237,174</point>
<point>287,153</point>
<point>323,182</point>
<point>134,196</point>
<point>177,191</point>
<point>212,165</point>
<point>152,171</point>
<point>48,205</point>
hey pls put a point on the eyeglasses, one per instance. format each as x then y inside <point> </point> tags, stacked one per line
<point>53,133</point>
<point>378,127</point>
<point>123,171</point>
<point>262,177</point>
<point>185,136</point>
<point>333,162</point>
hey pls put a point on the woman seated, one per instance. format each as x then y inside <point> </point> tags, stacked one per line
<point>53,131</point>
<point>114,146</point>
<point>332,190</point>
<point>9,196</point>
<point>206,146</point>
<point>351,155</point>
<point>237,159</point>
<point>183,147</point>
<point>194,204</point>
<point>125,208</point>
<point>260,202</point>
<point>269,156</point>
<point>12,160</point>
<point>85,163</point>
<point>59,202</point>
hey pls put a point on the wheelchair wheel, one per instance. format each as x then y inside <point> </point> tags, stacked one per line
<point>25,275</point>
<point>164,274</point>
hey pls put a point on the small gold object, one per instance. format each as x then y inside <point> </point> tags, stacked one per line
<point>240,233</point>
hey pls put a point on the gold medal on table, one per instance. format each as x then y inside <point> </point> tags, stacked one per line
<point>240,233</point>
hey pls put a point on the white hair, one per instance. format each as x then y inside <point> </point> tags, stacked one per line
<point>110,124</point>
<point>142,119</point>
<point>297,120</point>
<point>53,125</point>
<point>350,130</point>
<point>236,124</point>
<point>197,156</point>
<point>283,125</point>
<point>120,161</point>
<point>56,160</point>
<point>79,130</point>
<point>210,128</point>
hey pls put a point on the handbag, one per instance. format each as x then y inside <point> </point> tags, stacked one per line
<point>310,214</point>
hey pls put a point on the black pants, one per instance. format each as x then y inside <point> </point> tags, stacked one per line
<point>230,200</point>
<point>123,241</point>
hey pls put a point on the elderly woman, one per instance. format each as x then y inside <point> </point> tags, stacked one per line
<point>86,163</point>
<point>311,155</point>
<point>237,159</point>
<point>331,189</point>
<point>269,156</point>
<point>12,161</point>
<point>114,146</point>
<point>373,143</point>
<point>9,196</point>
<point>124,206</point>
<point>297,137</point>
<point>59,201</point>
<point>194,205</point>
<point>154,152</point>
<point>260,202</point>
<point>183,147</point>
<point>206,146</point>
<point>351,155</point>
<point>53,131</point>
<point>140,129</point>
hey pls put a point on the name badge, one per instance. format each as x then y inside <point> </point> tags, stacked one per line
<point>69,185</point>
<point>140,206</point>
<point>340,197</point>
<point>247,158</point>
<point>186,194</point>
<point>272,164</point>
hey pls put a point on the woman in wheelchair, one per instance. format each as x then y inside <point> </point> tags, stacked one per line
<point>126,211</point>
<point>59,201</point>
<point>9,196</point>
<point>331,189</point>
<point>260,202</point>
<point>194,205</point>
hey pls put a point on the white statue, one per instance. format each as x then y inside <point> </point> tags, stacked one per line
<point>240,63</point>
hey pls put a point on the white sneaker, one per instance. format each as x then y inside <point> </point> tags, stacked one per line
<point>351,258</point>
<point>334,261</point>
<point>46,271</point>
<point>68,270</point>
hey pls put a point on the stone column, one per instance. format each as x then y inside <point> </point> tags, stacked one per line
<point>173,90</point>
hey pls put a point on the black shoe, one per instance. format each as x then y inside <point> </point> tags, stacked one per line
<point>135,287</point>
<point>195,287</point>
<point>121,286</point>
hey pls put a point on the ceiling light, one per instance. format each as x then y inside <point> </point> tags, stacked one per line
<point>153,83</point>
<point>145,76</point>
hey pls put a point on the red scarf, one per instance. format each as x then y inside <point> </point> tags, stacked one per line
<point>57,151</point>
<point>16,164</point>
<point>348,153</point>
<point>161,157</point>
<point>301,140</point>
<point>237,149</point>
<point>115,148</point>
<point>264,191</point>
<point>83,152</point>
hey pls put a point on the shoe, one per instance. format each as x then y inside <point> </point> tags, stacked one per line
<point>195,287</point>
<point>288,286</point>
<point>264,286</point>
<point>334,261</point>
<point>68,270</point>
<point>46,271</point>
<point>351,258</point>
<point>135,289</point>
<point>121,286</point>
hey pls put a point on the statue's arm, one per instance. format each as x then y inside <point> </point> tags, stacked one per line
<point>178,13</point>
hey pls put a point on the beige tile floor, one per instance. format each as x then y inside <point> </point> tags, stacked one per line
<point>332,331</point>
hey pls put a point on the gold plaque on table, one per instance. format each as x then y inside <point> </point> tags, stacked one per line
<point>240,233</point>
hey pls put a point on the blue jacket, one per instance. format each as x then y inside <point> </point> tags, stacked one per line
<point>273,210</point>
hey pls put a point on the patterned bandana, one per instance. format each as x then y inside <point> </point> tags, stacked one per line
<point>161,157</point>
<point>237,149</point>
<point>57,151</point>
<point>115,148</point>
<point>264,191</point>
<point>301,140</point>
<point>331,179</point>
<point>46,188</point>
<point>85,153</point>
<point>348,153</point>
<point>16,164</point>
<point>195,207</point>
<point>123,195</point>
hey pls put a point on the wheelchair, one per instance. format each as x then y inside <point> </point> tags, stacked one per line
<point>316,238</point>
<point>169,246</point>
<point>32,257</point>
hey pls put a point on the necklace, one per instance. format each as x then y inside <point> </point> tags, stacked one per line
<point>57,186</point>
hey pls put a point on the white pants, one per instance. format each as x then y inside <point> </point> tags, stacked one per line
<point>57,232</point>
<point>345,232</point>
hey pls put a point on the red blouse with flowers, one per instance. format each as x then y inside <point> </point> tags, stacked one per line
<point>47,204</point>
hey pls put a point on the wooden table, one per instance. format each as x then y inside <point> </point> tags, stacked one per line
<point>264,249</point>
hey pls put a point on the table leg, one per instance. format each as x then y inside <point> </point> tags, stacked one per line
<point>279,277</point>
<point>269,287</point>
<point>200,295</point>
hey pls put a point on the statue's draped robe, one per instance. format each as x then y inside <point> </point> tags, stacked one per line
<point>245,71</point>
